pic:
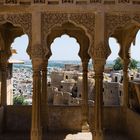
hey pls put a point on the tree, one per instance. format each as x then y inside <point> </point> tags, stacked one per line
<point>133,64</point>
<point>119,65</point>
<point>19,100</point>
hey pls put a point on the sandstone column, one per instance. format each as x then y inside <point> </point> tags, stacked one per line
<point>36,54</point>
<point>85,107</point>
<point>126,62</point>
<point>44,95</point>
<point>4,65</point>
<point>98,106</point>
<point>44,82</point>
<point>36,130</point>
<point>99,52</point>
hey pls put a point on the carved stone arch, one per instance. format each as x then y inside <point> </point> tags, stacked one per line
<point>50,39</point>
<point>86,21</point>
<point>118,23</point>
<point>114,21</point>
<point>73,31</point>
<point>20,20</point>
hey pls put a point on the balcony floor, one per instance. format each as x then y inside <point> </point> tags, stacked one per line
<point>61,136</point>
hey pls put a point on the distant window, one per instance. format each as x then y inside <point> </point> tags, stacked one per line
<point>132,77</point>
<point>121,79</point>
<point>66,76</point>
<point>116,78</point>
<point>120,93</point>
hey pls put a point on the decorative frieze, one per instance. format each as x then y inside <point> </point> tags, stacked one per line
<point>11,1</point>
<point>39,1</point>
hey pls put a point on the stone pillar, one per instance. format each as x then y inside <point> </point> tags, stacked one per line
<point>85,107</point>
<point>44,100</point>
<point>36,130</point>
<point>4,65</point>
<point>44,82</point>
<point>98,106</point>
<point>99,52</point>
<point>126,62</point>
<point>37,54</point>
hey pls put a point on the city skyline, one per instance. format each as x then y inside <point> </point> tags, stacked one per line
<point>67,48</point>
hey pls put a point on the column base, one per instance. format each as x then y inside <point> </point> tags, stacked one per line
<point>98,136</point>
<point>36,135</point>
<point>85,127</point>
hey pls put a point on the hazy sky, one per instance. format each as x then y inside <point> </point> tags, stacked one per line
<point>66,48</point>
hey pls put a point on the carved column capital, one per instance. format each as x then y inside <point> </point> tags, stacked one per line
<point>85,65</point>
<point>37,51</point>
<point>37,64</point>
<point>99,65</point>
<point>100,51</point>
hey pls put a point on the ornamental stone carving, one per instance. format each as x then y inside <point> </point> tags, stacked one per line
<point>37,51</point>
<point>22,20</point>
<point>99,66</point>
<point>113,21</point>
<point>86,20</point>
<point>101,51</point>
<point>51,20</point>
<point>136,18</point>
<point>39,1</point>
<point>11,1</point>
<point>2,18</point>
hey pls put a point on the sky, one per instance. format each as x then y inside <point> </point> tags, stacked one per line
<point>67,48</point>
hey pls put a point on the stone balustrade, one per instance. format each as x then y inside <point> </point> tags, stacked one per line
<point>66,2</point>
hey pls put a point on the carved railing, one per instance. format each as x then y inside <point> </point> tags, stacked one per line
<point>73,2</point>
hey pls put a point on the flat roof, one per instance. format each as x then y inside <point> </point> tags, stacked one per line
<point>14,61</point>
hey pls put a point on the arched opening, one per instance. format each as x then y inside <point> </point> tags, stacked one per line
<point>67,82</point>
<point>8,33</point>
<point>112,75</point>
<point>134,74</point>
<point>21,72</point>
<point>65,70</point>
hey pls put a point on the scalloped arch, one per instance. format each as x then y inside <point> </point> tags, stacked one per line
<point>69,29</point>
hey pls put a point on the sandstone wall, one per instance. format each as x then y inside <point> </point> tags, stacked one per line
<point>133,124</point>
<point>18,118</point>
<point>1,118</point>
<point>60,118</point>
